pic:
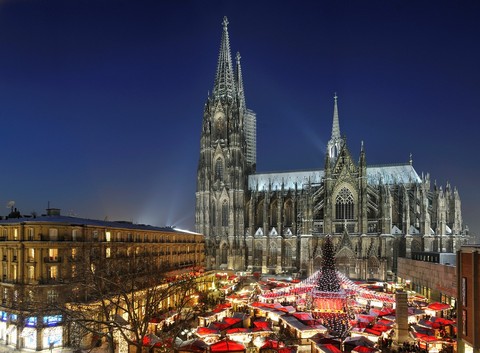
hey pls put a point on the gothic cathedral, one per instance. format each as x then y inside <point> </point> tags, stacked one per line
<point>277,222</point>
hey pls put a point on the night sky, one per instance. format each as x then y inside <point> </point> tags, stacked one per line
<point>101,101</point>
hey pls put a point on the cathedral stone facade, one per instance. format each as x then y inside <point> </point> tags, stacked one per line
<point>277,222</point>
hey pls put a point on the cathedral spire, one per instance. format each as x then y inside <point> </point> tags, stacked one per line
<point>224,80</point>
<point>336,141</point>
<point>241,92</point>
<point>335,124</point>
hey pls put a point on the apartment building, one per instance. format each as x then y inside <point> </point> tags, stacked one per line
<point>40,264</point>
<point>468,313</point>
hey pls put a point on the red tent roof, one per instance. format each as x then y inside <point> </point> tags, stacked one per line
<point>328,348</point>
<point>386,311</point>
<point>238,330</point>
<point>363,349</point>
<point>442,321</point>
<point>205,331</point>
<point>372,331</point>
<point>227,345</point>
<point>425,338</point>
<point>261,324</point>
<point>438,306</point>
<point>272,344</point>
<point>303,316</point>
<point>381,328</point>
<point>385,322</point>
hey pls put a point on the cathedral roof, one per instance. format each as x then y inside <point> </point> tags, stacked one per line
<point>382,174</point>
<point>392,174</point>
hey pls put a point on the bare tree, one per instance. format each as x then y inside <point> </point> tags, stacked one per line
<point>117,299</point>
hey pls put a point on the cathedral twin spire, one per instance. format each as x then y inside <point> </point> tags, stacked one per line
<point>336,141</point>
<point>224,79</point>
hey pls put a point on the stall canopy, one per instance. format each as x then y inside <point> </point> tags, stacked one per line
<point>352,342</point>
<point>195,345</point>
<point>205,331</point>
<point>364,349</point>
<point>438,306</point>
<point>328,348</point>
<point>227,345</point>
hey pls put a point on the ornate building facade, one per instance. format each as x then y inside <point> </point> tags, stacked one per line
<point>277,222</point>
<point>44,259</point>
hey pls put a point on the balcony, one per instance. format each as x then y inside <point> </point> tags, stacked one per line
<point>52,259</point>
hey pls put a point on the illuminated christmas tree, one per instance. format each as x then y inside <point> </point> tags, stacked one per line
<point>328,280</point>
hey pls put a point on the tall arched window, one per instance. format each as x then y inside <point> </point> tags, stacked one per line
<point>287,256</point>
<point>288,211</point>
<point>224,254</point>
<point>214,215</point>
<point>258,255</point>
<point>272,255</point>
<point>344,204</point>
<point>259,215</point>
<point>225,213</point>
<point>274,213</point>
<point>219,169</point>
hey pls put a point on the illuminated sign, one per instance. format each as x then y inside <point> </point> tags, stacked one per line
<point>52,320</point>
<point>3,316</point>
<point>31,321</point>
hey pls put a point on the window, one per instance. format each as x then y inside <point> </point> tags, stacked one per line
<point>30,234</point>
<point>53,254</point>
<point>30,298</point>
<point>107,253</point>
<point>272,256</point>
<point>31,273</point>
<point>15,234</point>
<point>95,235</point>
<point>74,253</point>
<point>214,215</point>
<point>225,214</point>
<point>107,236</point>
<point>14,273</point>
<point>53,234</point>
<point>53,272</point>
<point>52,296</point>
<point>344,204</point>
<point>74,271</point>
<point>75,234</point>
<point>31,254</point>
<point>219,169</point>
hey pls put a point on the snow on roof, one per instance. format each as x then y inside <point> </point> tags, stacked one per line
<point>392,174</point>
<point>382,174</point>
<point>261,182</point>
<point>74,221</point>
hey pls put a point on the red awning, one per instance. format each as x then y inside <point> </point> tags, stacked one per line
<point>205,331</point>
<point>364,349</point>
<point>238,330</point>
<point>261,324</point>
<point>372,331</point>
<point>227,345</point>
<point>328,348</point>
<point>272,344</point>
<point>438,306</point>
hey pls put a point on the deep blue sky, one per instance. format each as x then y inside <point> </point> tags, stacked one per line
<point>101,101</point>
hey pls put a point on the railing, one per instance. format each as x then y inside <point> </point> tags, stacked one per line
<point>50,259</point>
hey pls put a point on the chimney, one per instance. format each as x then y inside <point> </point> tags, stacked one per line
<point>53,212</point>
